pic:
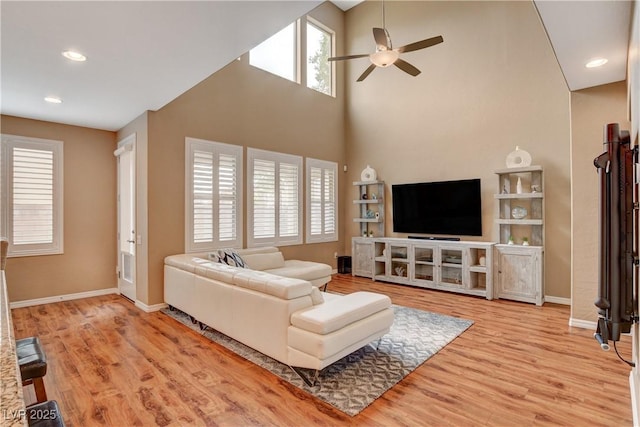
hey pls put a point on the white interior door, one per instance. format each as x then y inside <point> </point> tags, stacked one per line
<point>126,217</point>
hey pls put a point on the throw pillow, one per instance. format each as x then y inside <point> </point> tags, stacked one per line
<point>230,257</point>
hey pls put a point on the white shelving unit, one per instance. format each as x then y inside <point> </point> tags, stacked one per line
<point>462,267</point>
<point>519,268</point>
<point>370,198</point>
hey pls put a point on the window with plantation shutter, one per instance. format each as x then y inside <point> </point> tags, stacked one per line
<point>274,197</point>
<point>213,205</point>
<point>322,201</point>
<point>32,187</point>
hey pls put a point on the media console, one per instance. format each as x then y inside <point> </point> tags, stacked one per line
<point>456,266</point>
<point>448,239</point>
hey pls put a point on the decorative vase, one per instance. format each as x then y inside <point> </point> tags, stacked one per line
<point>368,174</point>
<point>518,158</point>
<point>519,186</point>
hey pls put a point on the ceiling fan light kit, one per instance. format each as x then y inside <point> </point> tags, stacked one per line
<point>385,55</point>
<point>384,58</point>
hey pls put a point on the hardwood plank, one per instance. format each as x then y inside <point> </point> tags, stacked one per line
<point>111,364</point>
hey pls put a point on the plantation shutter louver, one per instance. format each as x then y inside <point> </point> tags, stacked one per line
<point>329,218</point>
<point>288,200</point>
<point>274,196</point>
<point>227,198</point>
<point>214,185</point>
<point>32,195</point>
<point>264,196</point>
<point>322,221</point>
<point>315,194</point>
<point>202,197</point>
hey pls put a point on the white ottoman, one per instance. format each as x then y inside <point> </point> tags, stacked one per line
<point>325,333</point>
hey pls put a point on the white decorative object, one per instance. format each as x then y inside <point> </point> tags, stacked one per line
<point>482,261</point>
<point>525,241</point>
<point>519,186</point>
<point>519,212</point>
<point>368,174</point>
<point>518,158</point>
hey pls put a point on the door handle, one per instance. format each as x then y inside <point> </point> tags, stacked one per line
<point>131,241</point>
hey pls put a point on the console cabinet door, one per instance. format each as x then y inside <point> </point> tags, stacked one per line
<point>519,273</point>
<point>362,258</point>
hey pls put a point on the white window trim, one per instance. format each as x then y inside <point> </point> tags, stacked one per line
<point>332,33</point>
<point>217,148</point>
<point>323,165</point>
<point>256,154</point>
<point>56,147</point>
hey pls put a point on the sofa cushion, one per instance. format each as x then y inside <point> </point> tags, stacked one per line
<point>227,256</point>
<point>217,271</point>
<point>339,312</point>
<point>186,262</point>
<point>305,270</point>
<point>281,287</point>
<point>264,261</point>
<point>259,250</point>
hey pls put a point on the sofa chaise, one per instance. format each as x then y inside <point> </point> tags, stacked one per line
<point>285,318</point>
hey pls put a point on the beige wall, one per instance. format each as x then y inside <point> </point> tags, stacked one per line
<point>89,258</point>
<point>493,84</point>
<point>245,106</point>
<point>591,109</point>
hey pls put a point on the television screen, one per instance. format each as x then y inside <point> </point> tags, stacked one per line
<point>444,207</point>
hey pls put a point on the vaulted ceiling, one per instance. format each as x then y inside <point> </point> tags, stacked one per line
<point>142,55</point>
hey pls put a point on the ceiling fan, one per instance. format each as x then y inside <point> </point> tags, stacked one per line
<point>385,55</point>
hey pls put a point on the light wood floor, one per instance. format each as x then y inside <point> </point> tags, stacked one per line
<point>111,364</point>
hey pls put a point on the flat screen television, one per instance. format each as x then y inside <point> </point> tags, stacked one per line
<point>443,207</point>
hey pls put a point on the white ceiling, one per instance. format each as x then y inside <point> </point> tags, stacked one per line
<point>583,30</point>
<point>142,55</point>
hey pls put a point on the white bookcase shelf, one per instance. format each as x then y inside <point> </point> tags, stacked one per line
<point>370,198</point>
<point>519,268</point>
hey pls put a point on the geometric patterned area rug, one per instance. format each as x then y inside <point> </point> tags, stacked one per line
<point>355,381</point>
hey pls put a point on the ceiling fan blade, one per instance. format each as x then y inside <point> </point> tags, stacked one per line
<point>341,58</point>
<point>406,67</point>
<point>382,38</point>
<point>367,72</point>
<point>421,44</point>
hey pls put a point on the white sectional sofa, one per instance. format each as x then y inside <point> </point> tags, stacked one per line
<point>285,318</point>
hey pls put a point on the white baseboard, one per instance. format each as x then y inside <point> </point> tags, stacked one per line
<point>585,324</point>
<point>635,389</point>
<point>149,308</point>
<point>67,297</point>
<point>334,271</point>
<point>557,300</point>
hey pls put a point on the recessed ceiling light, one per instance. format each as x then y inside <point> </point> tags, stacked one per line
<point>53,100</point>
<point>74,56</point>
<point>598,62</point>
